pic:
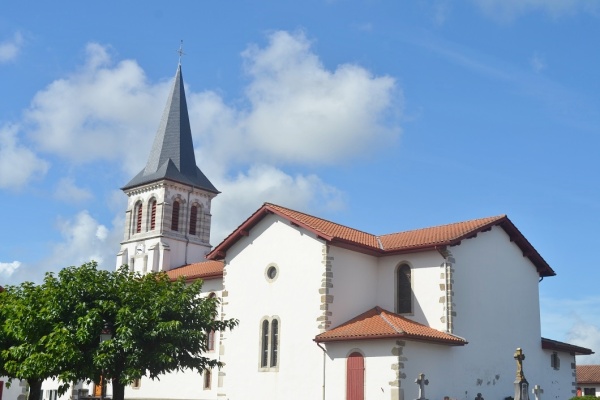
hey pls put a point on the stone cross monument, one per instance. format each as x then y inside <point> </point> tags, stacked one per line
<point>537,392</point>
<point>421,381</point>
<point>521,385</point>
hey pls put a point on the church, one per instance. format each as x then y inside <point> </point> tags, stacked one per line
<point>330,312</point>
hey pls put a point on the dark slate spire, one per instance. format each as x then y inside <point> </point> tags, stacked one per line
<point>172,155</point>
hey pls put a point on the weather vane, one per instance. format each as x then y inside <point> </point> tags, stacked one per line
<point>180,51</point>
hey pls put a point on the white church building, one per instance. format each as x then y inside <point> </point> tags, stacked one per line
<point>330,312</point>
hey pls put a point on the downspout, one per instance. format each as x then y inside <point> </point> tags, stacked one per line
<point>324,359</point>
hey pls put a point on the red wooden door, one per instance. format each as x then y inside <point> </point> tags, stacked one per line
<point>355,377</point>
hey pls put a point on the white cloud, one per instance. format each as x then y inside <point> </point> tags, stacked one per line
<point>572,320</point>
<point>84,239</point>
<point>302,112</point>
<point>67,190</point>
<point>245,193</point>
<point>295,112</point>
<point>537,63</point>
<point>99,112</point>
<point>441,10</point>
<point>9,49</point>
<point>298,112</point>
<point>586,335</point>
<point>7,269</point>
<point>18,164</point>
<point>510,9</point>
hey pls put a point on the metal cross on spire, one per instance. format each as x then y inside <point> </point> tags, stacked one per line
<point>180,51</point>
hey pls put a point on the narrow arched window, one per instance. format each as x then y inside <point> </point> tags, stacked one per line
<point>175,216</point>
<point>193,219</point>
<point>403,289</point>
<point>138,218</point>
<point>264,344</point>
<point>152,214</point>
<point>274,342</point>
<point>207,379</point>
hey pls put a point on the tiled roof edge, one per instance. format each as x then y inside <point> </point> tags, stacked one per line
<point>549,344</point>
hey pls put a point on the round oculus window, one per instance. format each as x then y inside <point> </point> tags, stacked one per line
<point>272,272</point>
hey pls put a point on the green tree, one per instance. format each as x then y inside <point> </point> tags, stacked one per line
<point>26,330</point>
<point>157,326</point>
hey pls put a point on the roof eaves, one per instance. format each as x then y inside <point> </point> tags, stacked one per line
<point>404,335</point>
<point>299,223</point>
<point>195,277</point>
<point>358,247</point>
<point>527,248</point>
<point>549,344</point>
<point>219,252</point>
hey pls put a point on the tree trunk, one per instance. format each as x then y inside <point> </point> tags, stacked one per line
<point>35,389</point>
<point>118,390</point>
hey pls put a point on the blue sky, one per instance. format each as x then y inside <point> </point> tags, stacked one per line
<point>381,115</point>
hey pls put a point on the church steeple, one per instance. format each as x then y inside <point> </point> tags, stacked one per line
<point>168,213</point>
<point>172,155</point>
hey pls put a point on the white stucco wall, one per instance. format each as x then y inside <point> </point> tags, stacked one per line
<point>425,275</point>
<point>354,284</point>
<point>293,297</point>
<point>436,361</point>
<point>495,291</point>
<point>495,296</point>
<point>13,392</point>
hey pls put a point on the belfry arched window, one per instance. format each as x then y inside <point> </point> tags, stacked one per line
<point>152,214</point>
<point>193,219</point>
<point>138,217</point>
<point>175,216</point>
<point>403,289</point>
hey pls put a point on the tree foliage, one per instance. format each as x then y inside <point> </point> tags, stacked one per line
<point>52,330</point>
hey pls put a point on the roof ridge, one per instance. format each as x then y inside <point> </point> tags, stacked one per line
<point>381,313</point>
<point>492,218</point>
<point>322,219</point>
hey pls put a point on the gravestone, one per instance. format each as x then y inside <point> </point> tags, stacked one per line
<point>421,381</point>
<point>521,384</point>
<point>537,392</point>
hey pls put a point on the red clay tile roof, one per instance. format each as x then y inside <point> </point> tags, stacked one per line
<point>550,344</point>
<point>437,235</point>
<point>401,242</point>
<point>328,229</point>
<point>378,323</point>
<point>202,270</point>
<point>588,374</point>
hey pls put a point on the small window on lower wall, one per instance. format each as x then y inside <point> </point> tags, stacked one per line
<point>136,383</point>
<point>589,391</point>
<point>555,361</point>
<point>206,379</point>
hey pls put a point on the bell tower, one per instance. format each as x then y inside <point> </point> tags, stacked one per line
<point>167,222</point>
